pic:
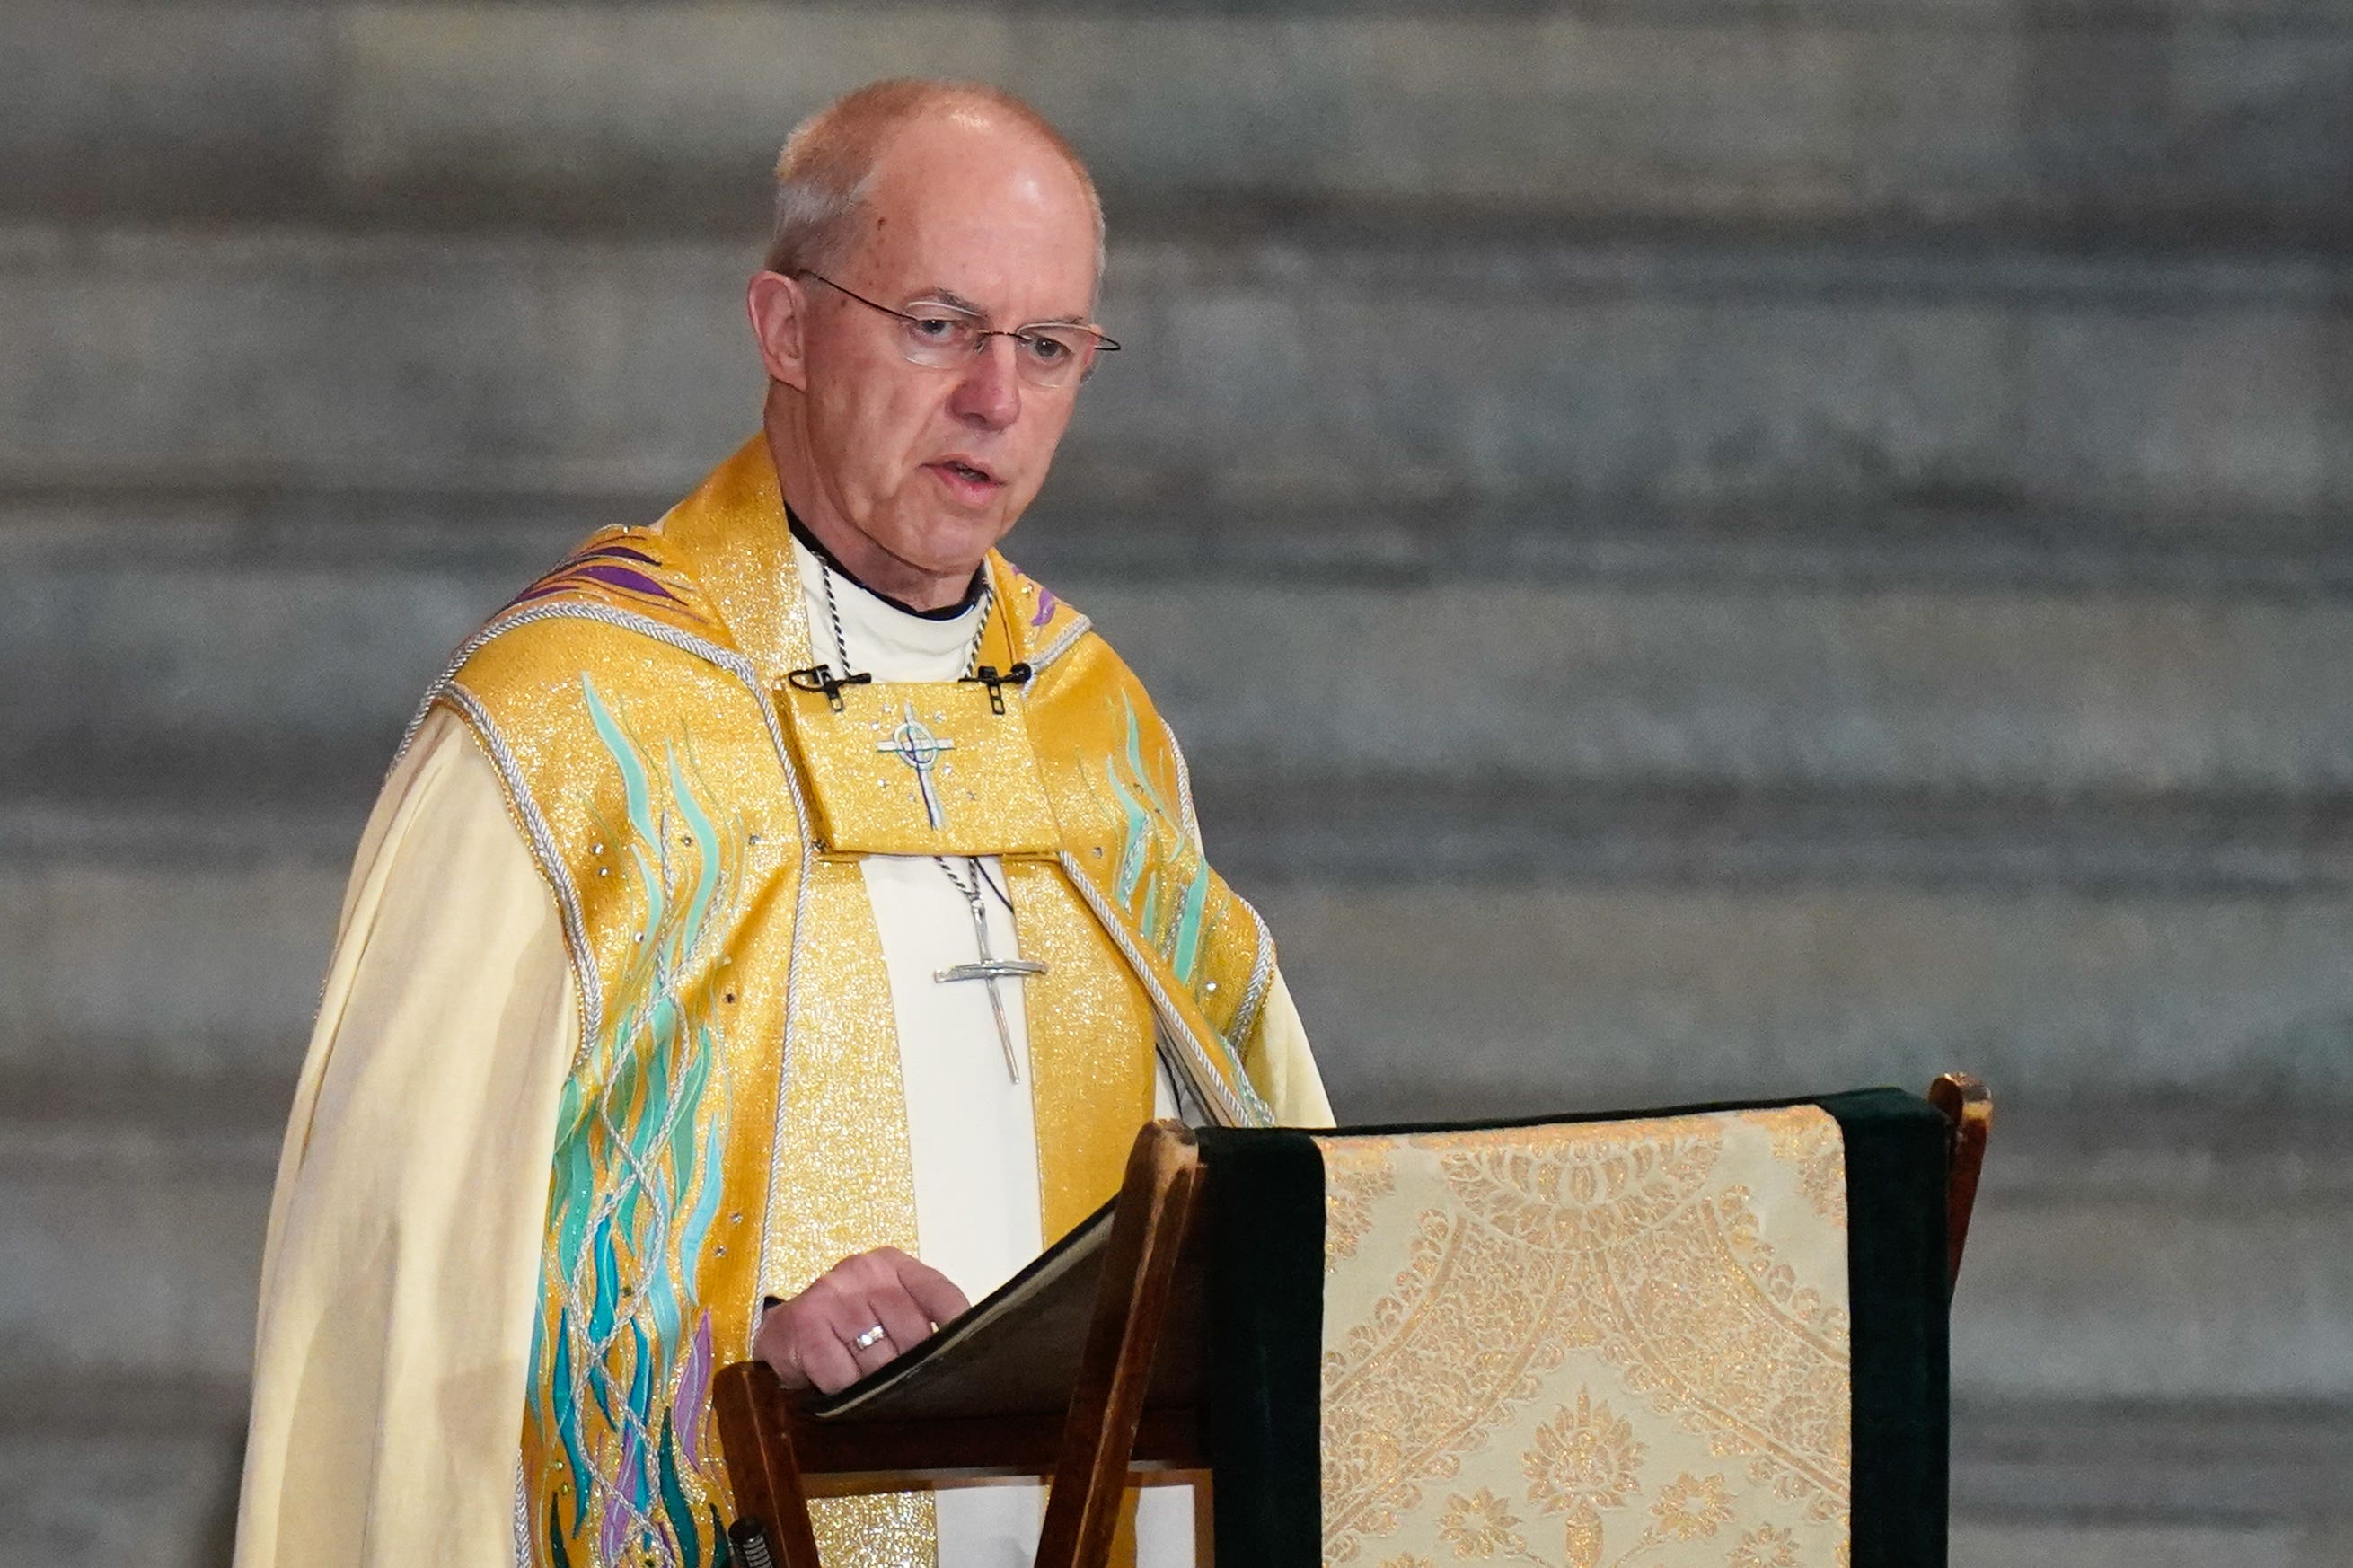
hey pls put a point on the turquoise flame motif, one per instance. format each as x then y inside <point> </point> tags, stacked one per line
<point>1137,880</point>
<point>622,1372</point>
<point>1162,878</point>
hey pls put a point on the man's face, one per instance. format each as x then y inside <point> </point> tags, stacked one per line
<point>934,465</point>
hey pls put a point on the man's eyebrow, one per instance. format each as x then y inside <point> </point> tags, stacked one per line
<point>950,297</point>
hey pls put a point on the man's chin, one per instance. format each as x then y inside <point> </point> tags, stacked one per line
<point>942,546</point>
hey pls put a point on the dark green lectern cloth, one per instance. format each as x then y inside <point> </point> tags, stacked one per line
<point>1714,1334</point>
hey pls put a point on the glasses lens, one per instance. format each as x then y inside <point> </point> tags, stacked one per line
<point>934,336</point>
<point>1052,356</point>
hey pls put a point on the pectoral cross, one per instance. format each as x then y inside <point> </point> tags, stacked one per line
<point>913,744</point>
<point>991,968</point>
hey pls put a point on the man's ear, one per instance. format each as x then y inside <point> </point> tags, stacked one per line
<point>776,303</point>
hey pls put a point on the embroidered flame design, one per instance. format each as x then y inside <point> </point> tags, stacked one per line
<point>621,1354</point>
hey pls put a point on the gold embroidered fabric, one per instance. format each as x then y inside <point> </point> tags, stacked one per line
<point>922,768</point>
<point>734,1123</point>
<point>1594,1345</point>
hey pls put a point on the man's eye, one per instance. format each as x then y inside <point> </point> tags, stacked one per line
<point>937,329</point>
<point>1049,350</point>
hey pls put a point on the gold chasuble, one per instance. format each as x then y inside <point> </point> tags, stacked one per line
<point>698,794</point>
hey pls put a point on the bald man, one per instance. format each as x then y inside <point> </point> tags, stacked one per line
<point>771,935</point>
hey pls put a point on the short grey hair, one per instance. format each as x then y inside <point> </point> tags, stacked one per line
<point>826,168</point>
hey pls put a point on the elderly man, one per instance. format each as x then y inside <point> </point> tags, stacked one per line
<point>772,934</point>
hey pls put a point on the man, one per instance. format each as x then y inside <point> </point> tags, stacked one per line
<point>772,934</point>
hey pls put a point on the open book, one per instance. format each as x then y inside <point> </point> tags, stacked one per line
<point>1015,1352</point>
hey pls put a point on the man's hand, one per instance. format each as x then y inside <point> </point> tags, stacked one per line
<point>813,1339</point>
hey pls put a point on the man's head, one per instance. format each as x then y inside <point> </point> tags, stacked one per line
<point>933,199</point>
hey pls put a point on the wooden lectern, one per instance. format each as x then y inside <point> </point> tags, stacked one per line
<point>1088,1365</point>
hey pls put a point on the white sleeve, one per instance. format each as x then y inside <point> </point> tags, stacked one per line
<point>1294,1087</point>
<point>401,1264</point>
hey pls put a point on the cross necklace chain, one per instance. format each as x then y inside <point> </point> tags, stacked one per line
<point>989,968</point>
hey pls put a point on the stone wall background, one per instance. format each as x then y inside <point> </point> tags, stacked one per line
<point>1699,547</point>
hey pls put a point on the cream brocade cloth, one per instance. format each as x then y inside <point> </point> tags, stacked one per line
<point>1572,1344</point>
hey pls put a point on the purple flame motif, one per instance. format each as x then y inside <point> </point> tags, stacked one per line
<point>694,1395</point>
<point>1046,600</point>
<point>599,569</point>
<point>624,577</point>
<point>613,1533</point>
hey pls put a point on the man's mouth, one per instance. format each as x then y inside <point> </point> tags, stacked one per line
<point>969,479</point>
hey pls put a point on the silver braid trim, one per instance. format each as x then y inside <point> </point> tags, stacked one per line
<point>543,849</point>
<point>522,1518</point>
<point>1184,788</point>
<point>806,879</point>
<point>1062,644</point>
<point>1245,1109</point>
<point>1262,975</point>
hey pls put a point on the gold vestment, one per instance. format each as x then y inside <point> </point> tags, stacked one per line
<point>697,799</point>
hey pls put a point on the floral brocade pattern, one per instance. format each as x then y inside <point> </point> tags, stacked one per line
<point>1818,1152</point>
<point>1597,1345</point>
<point>1356,1174</point>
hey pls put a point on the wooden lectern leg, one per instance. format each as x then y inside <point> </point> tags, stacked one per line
<point>1116,1370</point>
<point>1968,1104</point>
<point>755,1425</point>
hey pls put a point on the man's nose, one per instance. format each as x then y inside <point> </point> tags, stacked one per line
<point>988,394</point>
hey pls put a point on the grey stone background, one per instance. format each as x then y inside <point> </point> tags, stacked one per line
<point>1700,546</point>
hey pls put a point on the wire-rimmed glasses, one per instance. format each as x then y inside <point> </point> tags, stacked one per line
<point>944,337</point>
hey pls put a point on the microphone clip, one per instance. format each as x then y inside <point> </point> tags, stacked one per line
<point>987,675</point>
<point>821,677</point>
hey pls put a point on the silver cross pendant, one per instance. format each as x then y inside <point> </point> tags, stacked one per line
<point>989,970</point>
<point>913,744</point>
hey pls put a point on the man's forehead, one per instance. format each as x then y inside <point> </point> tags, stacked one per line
<point>967,141</point>
<point>982,183</point>
<point>965,217</point>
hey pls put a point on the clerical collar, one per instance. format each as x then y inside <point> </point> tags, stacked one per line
<point>802,531</point>
<point>861,632</point>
